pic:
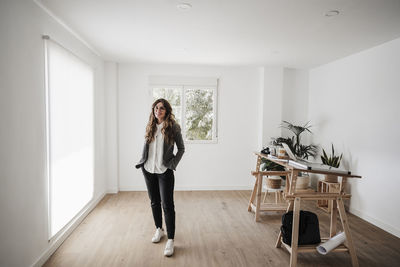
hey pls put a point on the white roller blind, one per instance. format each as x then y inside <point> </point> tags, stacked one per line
<point>69,135</point>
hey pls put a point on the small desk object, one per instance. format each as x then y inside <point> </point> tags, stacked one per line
<point>294,199</point>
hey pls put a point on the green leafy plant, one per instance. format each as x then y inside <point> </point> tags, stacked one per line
<point>294,142</point>
<point>287,140</point>
<point>331,160</point>
<point>271,166</point>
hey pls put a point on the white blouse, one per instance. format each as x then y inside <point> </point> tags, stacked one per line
<point>154,163</point>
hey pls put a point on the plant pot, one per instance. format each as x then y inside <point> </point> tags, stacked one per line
<point>331,178</point>
<point>302,182</point>
<point>274,182</point>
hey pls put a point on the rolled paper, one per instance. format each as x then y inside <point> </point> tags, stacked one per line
<point>331,244</point>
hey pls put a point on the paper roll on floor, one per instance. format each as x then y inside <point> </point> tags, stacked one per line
<point>332,243</point>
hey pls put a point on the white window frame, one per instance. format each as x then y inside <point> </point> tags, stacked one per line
<point>183,87</point>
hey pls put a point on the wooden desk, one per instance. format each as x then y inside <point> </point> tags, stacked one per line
<point>294,200</point>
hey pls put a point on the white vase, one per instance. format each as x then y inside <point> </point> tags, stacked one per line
<point>302,182</point>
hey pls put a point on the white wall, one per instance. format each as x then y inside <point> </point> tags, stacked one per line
<point>111,95</point>
<point>225,165</point>
<point>283,96</point>
<point>354,103</point>
<point>295,96</point>
<point>23,197</point>
<point>270,107</point>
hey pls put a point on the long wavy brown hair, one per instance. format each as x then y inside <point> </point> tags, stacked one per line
<point>169,121</point>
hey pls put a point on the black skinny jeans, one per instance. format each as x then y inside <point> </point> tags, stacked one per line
<point>160,188</point>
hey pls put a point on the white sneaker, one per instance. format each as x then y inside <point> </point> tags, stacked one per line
<point>169,248</point>
<point>157,235</point>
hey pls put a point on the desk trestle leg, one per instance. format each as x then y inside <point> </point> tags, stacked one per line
<point>295,232</point>
<point>253,195</point>
<point>332,230</point>
<point>279,240</point>
<point>258,199</point>
<point>349,239</point>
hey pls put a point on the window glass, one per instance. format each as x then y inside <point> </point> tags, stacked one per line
<point>174,97</point>
<point>194,108</point>
<point>199,114</point>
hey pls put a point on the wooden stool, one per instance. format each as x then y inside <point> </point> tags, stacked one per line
<point>327,187</point>
<point>277,191</point>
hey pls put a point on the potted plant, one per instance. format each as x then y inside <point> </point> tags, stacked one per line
<point>333,161</point>
<point>294,143</point>
<point>299,150</point>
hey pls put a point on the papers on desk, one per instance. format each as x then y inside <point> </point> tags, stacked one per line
<point>306,165</point>
<point>298,165</point>
<point>278,159</point>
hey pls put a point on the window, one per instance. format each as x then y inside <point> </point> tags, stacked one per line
<point>195,109</point>
<point>70,140</point>
<point>174,97</point>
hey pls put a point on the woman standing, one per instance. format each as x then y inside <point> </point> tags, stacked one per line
<point>158,164</point>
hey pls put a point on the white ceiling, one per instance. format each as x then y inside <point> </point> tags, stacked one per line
<point>289,33</point>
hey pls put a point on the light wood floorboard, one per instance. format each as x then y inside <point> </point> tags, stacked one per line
<point>213,228</point>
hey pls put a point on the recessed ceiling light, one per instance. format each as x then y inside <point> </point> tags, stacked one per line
<point>331,13</point>
<point>184,6</point>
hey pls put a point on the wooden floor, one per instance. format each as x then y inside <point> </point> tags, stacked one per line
<point>213,228</point>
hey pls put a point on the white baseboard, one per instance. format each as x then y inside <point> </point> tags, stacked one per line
<point>210,188</point>
<point>133,188</point>
<point>192,188</point>
<point>67,230</point>
<point>386,227</point>
<point>112,191</point>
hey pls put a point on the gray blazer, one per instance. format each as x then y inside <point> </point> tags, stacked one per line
<point>169,159</point>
